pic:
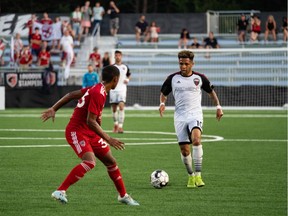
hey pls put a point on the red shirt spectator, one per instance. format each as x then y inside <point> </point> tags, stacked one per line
<point>44,58</point>
<point>29,24</point>
<point>46,20</point>
<point>25,57</point>
<point>95,58</point>
<point>36,40</point>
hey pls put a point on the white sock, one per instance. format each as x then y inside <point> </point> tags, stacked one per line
<point>197,158</point>
<point>121,118</point>
<point>187,161</point>
<point>115,117</point>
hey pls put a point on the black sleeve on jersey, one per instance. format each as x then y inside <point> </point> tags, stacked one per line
<point>206,86</point>
<point>128,72</point>
<point>167,85</point>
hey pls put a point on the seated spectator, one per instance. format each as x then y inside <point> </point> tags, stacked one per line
<point>76,24</point>
<point>270,28</point>
<point>184,38</point>
<point>195,44</point>
<point>154,30</point>
<point>44,56</point>
<point>18,46</point>
<point>141,29</point>
<point>211,42</point>
<point>95,59</point>
<point>2,49</point>
<point>242,25</point>
<point>106,60</point>
<point>284,28</point>
<point>25,57</point>
<point>90,78</point>
<point>255,28</point>
<point>36,41</point>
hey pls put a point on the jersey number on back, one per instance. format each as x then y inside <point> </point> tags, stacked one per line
<point>82,101</point>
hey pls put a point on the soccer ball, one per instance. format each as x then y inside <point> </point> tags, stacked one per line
<point>159,179</point>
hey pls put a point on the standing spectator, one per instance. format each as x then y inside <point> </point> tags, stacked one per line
<point>90,78</point>
<point>87,138</point>
<point>242,25</point>
<point>95,59</point>
<point>154,30</point>
<point>76,24</point>
<point>141,29</point>
<point>255,28</point>
<point>47,28</point>
<point>118,95</point>
<point>2,49</point>
<point>113,11</point>
<point>18,46</point>
<point>184,38</point>
<point>44,56</point>
<point>270,28</point>
<point>106,60</point>
<point>36,41</point>
<point>284,28</point>
<point>67,45</point>
<point>98,13</point>
<point>57,33</point>
<point>25,57</point>
<point>86,13</point>
<point>30,24</point>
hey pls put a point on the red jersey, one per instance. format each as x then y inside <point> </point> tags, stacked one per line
<point>93,101</point>
<point>25,57</point>
<point>95,57</point>
<point>30,26</point>
<point>46,21</point>
<point>37,38</point>
<point>44,57</point>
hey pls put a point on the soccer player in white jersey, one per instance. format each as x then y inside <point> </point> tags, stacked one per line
<point>118,95</point>
<point>186,86</point>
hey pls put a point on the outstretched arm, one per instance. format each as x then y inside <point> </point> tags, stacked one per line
<point>163,99</point>
<point>50,113</point>
<point>219,112</point>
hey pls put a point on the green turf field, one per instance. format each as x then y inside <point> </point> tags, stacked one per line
<point>244,167</point>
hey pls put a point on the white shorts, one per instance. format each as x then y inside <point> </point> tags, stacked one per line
<point>117,97</point>
<point>183,129</point>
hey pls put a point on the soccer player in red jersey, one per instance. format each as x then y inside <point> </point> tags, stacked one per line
<point>85,135</point>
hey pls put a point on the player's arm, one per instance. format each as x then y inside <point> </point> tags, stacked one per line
<point>50,113</point>
<point>92,123</point>
<point>214,97</point>
<point>163,99</point>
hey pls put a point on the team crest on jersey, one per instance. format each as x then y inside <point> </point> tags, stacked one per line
<point>196,81</point>
<point>11,79</point>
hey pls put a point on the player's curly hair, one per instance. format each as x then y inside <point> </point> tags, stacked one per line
<point>186,54</point>
<point>109,72</point>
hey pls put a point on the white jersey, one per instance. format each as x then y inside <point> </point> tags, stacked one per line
<point>187,94</point>
<point>124,74</point>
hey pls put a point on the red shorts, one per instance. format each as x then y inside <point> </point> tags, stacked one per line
<point>82,143</point>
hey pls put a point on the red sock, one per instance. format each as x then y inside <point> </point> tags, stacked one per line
<point>116,177</point>
<point>76,174</point>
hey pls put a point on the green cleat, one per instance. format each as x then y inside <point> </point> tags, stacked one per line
<point>199,182</point>
<point>191,182</point>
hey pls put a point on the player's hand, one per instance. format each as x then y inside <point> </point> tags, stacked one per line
<point>219,114</point>
<point>117,144</point>
<point>49,113</point>
<point>161,109</point>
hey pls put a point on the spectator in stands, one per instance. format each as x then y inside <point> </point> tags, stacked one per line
<point>98,13</point>
<point>18,46</point>
<point>141,29</point>
<point>211,42</point>
<point>57,33</point>
<point>90,78</point>
<point>86,13</point>
<point>195,44</point>
<point>36,42</point>
<point>113,11</point>
<point>66,44</point>
<point>154,30</point>
<point>47,28</point>
<point>270,28</point>
<point>242,25</point>
<point>255,28</point>
<point>25,57</point>
<point>2,50</point>
<point>46,19</point>
<point>76,24</point>
<point>284,28</point>
<point>106,60</point>
<point>44,56</point>
<point>30,24</point>
<point>184,39</point>
<point>95,59</point>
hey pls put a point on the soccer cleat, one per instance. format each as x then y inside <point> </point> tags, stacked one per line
<point>198,181</point>
<point>60,196</point>
<point>115,129</point>
<point>191,182</point>
<point>127,199</point>
<point>120,130</point>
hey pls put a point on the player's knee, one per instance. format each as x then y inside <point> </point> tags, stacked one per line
<point>196,142</point>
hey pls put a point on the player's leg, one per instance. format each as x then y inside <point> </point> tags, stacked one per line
<point>121,116</point>
<point>115,116</point>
